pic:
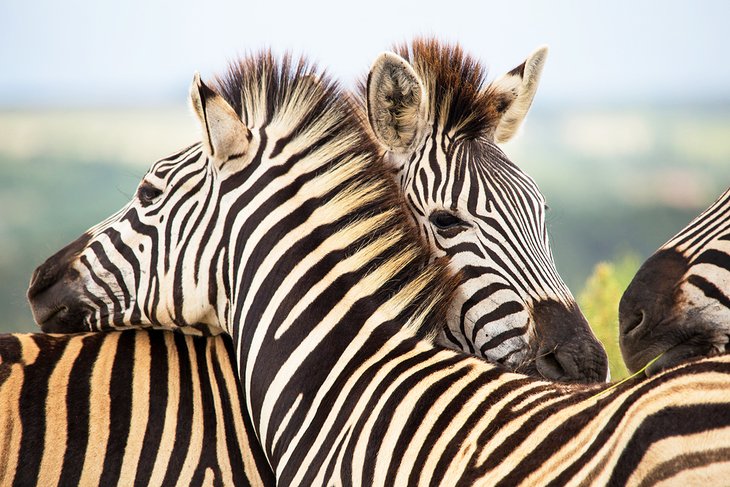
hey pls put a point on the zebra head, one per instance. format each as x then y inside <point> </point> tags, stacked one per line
<point>130,270</point>
<point>180,254</point>
<point>134,268</point>
<point>439,125</point>
<point>678,304</point>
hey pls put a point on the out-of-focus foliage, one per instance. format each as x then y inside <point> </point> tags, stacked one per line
<point>599,301</point>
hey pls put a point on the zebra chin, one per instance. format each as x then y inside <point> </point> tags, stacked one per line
<point>66,321</point>
<point>672,341</point>
<point>695,348</point>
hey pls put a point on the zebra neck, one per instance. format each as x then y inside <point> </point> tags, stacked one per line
<point>321,298</point>
<point>324,285</point>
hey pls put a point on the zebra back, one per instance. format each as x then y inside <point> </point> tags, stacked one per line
<point>123,408</point>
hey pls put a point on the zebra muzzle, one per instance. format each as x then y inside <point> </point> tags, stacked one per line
<point>53,299</point>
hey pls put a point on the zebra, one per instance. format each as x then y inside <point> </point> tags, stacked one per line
<point>124,408</point>
<point>282,229</point>
<point>474,206</point>
<point>487,217</point>
<point>456,182</point>
<point>678,304</point>
<point>262,470</point>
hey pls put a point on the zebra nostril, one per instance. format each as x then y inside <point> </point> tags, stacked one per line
<point>634,322</point>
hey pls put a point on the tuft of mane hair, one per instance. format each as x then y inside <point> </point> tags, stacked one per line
<point>459,100</point>
<point>263,86</point>
<point>297,100</point>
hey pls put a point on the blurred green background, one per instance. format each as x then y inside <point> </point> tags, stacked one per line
<point>619,182</point>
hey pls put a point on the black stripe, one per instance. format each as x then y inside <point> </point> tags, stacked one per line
<point>106,264</point>
<point>160,387</point>
<point>185,410</point>
<point>710,290</point>
<point>129,256</point>
<point>173,208</point>
<point>78,409</point>
<point>208,399</point>
<point>502,337</point>
<point>713,257</point>
<point>427,397</point>
<point>684,462</point>
<point>120,391</point>
<point>669,422</point>
<point>455,404</point>
<point>453,447</point>
<point>32,410</point>
<point>104,313</point>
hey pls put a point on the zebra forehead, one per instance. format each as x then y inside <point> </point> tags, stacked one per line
<point>489,169</point>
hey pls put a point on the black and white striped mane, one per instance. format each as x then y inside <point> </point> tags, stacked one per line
<point>273,95</point>
<point>259,87</point>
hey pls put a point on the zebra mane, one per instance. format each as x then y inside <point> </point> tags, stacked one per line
<point>459,98</point>
<point>260,87</point>
<point>300,102</point>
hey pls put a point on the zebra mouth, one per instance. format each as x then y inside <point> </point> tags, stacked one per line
<point>49,315</point>
<point>696,347</point>
<point>675,356</point>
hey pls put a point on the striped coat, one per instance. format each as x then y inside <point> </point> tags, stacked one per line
<point>282,229</point>
<point>122,408</point>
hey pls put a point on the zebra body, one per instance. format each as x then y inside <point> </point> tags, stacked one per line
<point>282,229</point>
<point>678,304</point>
<point>123,408</point>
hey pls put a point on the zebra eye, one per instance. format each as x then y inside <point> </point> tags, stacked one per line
<point>443,220</point>
<point>147,194</point>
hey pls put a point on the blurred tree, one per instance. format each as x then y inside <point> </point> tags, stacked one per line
<point>599,301</point>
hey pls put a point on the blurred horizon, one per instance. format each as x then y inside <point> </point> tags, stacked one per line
<point>144,52</point>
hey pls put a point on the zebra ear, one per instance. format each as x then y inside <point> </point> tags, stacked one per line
<point>224,134</point>
<point>513,93</point>
<point>395,102</point>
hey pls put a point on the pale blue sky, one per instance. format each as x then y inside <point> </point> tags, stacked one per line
<point>145,51</point>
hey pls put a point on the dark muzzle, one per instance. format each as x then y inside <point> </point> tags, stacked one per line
<point>53,301</point>
<point>568,350</point>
